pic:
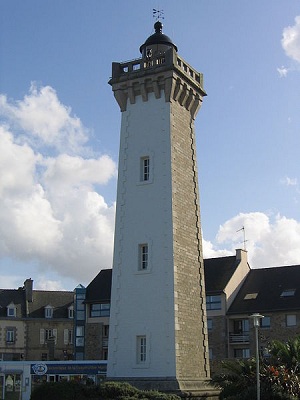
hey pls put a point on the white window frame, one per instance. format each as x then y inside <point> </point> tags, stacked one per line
<point>10,335</point>
<point>68,336</point>
<point>11,310</point>
<point>48,312</point>
<point>71,312</point>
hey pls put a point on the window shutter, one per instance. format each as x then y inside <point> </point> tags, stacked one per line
<point>42,336</point>
<point>55,335</point>
<point>66,336</point>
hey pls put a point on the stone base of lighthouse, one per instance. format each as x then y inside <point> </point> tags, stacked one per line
<point>186,389</point>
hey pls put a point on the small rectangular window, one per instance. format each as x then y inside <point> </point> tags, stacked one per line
<point>213,302</point>
<point>288,293</point>
<point>10,335</point>
<point>144,256</point>
<point>71,312</point>
<point>100,310</point>
<point>242,353</point>
<point>209,324</point>
<point>265,322</point>
<point>48,312</point>
<point>141,349</point>
<point>145,169</point>
<point>11,311</point>
<point>291,320</point>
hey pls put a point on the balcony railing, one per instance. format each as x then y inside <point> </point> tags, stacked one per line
<point>238,337</point>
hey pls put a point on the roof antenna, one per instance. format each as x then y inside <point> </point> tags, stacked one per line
<point>244,234</point>
<point>158,14</point>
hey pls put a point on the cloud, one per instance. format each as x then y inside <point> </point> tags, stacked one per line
<point>270,240</point>
<point>44,121</point>
<point>52,211</point>
<point>283,71</point>
<point>291,40</point>
<point>289,181</point>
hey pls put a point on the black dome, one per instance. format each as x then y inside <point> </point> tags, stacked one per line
<point>158,38</point>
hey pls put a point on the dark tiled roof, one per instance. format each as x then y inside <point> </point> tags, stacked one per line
<point>218,271</point>
<point>17,297</point>
<point>59,300</point>
<point>99,289</point>
<point>268,283</point>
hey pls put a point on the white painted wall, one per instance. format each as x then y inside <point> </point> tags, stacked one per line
<point>142,302</point>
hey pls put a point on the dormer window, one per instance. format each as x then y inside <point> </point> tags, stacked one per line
<point>48,311</point>
<point>288,293</point>
<point>71,312</point>
<point>11,310</point>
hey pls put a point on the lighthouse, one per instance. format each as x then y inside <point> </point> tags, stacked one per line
<point>158,333</point>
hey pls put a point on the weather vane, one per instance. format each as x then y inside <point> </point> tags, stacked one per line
<point>158,14</point>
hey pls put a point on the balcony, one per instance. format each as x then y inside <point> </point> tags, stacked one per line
<point>239,337</point>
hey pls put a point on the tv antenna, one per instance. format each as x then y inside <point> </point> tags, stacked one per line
<point>244,235</point>
<point>158,14</point>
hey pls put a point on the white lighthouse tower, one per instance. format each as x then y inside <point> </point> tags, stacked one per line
<point>158,335</point>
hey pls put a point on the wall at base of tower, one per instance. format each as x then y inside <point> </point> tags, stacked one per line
<point>189,390</point>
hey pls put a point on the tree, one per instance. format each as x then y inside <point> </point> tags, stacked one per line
<point>279,374</point>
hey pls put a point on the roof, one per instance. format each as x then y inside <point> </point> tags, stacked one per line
<point>59,300</point>
<point>158,38</point>
<point>268,290</point>
<point>99,289</point>
<point>218,271</point>
<point>16,296</point>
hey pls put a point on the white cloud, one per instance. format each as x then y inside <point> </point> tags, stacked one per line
<point>44,121</point>
<point>270,241</point>
<point>51,209</point>
<point>289,181</point>
<point>283,71</point>
<point>291,40</point>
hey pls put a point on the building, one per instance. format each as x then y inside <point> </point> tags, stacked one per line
<point>223,278</point>
<point>275,294</point>
<point>97,302</point>
<point>19,378</point>
<point>36,324</point>
<point>234,292</point>
<point>158,275</point>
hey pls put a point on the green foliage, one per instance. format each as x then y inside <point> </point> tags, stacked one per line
<point>105,391</point>
<point>279,375</point>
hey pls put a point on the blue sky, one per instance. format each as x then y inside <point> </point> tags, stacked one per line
<point>59,129</point>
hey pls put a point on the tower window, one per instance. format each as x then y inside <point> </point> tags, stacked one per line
<point>145,169</point>
<point>144,256</point>
<point>141,349</point>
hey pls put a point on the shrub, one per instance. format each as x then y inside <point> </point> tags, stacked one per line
<point>105,391</point>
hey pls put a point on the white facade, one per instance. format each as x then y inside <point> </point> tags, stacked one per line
<point>144,303</point>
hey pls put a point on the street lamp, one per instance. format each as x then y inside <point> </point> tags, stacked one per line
<point>256,322</point>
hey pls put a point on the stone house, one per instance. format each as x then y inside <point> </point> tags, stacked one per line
<point>36,324</point>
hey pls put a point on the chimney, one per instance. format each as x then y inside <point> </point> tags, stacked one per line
<point>28,285</point>
<point>241,255</point>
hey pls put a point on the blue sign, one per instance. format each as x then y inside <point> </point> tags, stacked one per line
<point>69,368</point>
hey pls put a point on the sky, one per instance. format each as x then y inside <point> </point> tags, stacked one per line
<point>60,125</point>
